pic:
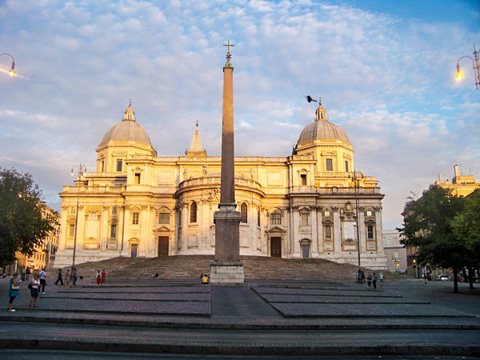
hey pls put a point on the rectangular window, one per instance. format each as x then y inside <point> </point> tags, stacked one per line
<point>304,219</point>
<point>328,232</point>
<point>102,166</point>
<point>164,218</point>
<point>346,166</point>
<point>304,179</point>
<point>71,230</point>
<point>113,231</point>
<point>114,210</point>
<point>258,216</point>
<point>119,164</point>
<point>370,233</point>
<point>135,218</point>
<point>275,219</point>
<point>329,164</point>
<point>137,178</point>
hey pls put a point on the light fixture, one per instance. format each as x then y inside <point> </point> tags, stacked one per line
<point>11,72</point>
<point>476,67</point>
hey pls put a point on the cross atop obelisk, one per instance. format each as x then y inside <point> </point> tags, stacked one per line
<point>227,268</point>
<point>229,56</point>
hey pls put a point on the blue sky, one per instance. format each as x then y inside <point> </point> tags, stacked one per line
<point>385,71</point>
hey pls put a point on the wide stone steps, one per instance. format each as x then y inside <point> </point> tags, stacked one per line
<point>190,267</point>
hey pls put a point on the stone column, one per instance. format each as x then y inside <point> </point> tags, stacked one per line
<point>227,268</point>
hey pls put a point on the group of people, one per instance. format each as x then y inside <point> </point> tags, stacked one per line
<point>101,277</point>
<point>69,277</point>
<point>370,280</point>
<point>36,286</point>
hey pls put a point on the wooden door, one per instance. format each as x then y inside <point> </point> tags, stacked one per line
<point>276,247</point>
<point>133,250</point>
<point>163,246</point>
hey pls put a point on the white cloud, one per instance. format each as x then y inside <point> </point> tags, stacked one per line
<point>387,81</point>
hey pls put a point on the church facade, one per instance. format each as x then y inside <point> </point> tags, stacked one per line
<point>311,204</point>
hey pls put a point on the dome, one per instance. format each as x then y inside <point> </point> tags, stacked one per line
<point>127,130</point>
<point>322,129</point>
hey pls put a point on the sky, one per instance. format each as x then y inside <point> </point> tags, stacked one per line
<point>385,71</point>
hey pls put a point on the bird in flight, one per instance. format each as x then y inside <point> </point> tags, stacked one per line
<point>309,99</point>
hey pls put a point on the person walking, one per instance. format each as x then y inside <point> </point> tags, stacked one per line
<point>99,277</point>
<point>67,280</point>
<point>380,277</point>
<point>374,280</point>
<point>27,274</point>
<point>104,277</point>
<point>43,281</point>
<point>13,291</point>
<point>34,285</point>
<point>59,277</point>
<point>369,280</point>
<point>74,276</point>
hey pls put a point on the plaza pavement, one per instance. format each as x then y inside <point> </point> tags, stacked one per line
<point>264,316</point>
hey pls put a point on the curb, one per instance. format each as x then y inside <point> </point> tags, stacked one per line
<point>254,349</point>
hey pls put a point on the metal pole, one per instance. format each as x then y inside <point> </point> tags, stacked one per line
<point>357,216</point>
<point>75,234</point>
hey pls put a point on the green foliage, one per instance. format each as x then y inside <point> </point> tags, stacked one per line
<point>22,225</point>
<point>428,225</point>
<point>467,227</point>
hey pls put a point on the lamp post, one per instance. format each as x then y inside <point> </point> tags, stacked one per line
<point>355,187</point>
<point>476,67</point>
<point>12,68</point>
<point>82,170</point>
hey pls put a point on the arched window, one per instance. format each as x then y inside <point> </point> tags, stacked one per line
<point>258,216</point>
<point>193,212</point>
<point>243,210</point>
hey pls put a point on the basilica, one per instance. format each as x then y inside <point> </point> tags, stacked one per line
<point>310,204</point>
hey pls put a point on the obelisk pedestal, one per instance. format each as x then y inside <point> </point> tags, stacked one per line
<point>227,268</point>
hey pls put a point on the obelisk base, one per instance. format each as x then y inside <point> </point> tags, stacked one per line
<point>227,273</point>
<point>227,269</point>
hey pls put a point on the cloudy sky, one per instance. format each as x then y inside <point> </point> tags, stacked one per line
<point>385,71</point>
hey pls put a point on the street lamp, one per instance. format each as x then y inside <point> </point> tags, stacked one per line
<point>12,68</point>
<point>82,170</point>
<point>355,185</point>
<point>476,67</point>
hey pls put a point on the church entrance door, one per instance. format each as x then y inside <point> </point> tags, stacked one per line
<point>276,247</point>
<point>163,246</point>
<point>133,250</point>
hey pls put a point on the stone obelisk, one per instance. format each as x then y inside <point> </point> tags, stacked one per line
<point>227,269</point>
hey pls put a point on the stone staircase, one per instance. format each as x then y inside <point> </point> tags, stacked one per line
<point>190,267</point>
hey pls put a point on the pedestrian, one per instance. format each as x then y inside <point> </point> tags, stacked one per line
<point>43,280</point>
<point>34,285</point>
<point>99,277</point>
<point>27,274</point>
<point>363,277</point>
<point>380,277</point>
<point>74,276</point>
<point>104,277</point>
<point>13,291</point>
<point>369,280</point>
<point>67,280</point>
<point>374,280</point>
<point>425,278</point>
<point>59,277</point>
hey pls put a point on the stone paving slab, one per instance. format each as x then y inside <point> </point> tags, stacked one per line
<point>338,299</point>
<point>124,290</point>
<point>182,297</point>
<point>363,310</point>
<point>127,306</point>
<point>322,292</point>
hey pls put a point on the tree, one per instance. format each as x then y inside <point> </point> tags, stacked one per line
<point>428,225</point>
<point>467,226</point>
<point>23,224</point>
